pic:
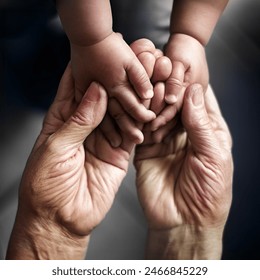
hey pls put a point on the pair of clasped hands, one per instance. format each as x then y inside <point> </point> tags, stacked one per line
<point>183,170</point>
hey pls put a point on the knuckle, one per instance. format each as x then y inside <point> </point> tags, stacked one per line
<point>162,120</point>
<point>82,118</point>
<point>174,82</point>
<point>134,111</point>
<point>116,90</point>
<point>117,115</point>
<point>143,79</point>
<point>138,74</point>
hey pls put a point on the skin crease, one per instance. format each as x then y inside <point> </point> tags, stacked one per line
<point>159,69</point>
<point>98,54</point>
<point>191,183</point>
<point>189,66</point>
<point>67,180</point>
<point>186,170</point>
<point>173,178</point>
<point>67,187</point>
<point>192,24</point>
<point>73,164</point>
<point>184,183</point>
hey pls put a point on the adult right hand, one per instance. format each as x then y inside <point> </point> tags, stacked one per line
<point>184,182</point>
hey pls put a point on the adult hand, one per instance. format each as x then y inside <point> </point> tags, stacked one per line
<point>184,183</point>
<point>70,179</point>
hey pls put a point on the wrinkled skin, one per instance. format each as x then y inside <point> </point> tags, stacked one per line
<point>186,179</point>
<point>73,173</point>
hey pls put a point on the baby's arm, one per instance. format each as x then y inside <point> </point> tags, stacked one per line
<point>85,22</point>
<point>192,24</point>
<point>196,18</point>
<point>99,54</point>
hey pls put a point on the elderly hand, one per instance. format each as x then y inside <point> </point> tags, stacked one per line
<point>184,182</point>
<point>70,179</point>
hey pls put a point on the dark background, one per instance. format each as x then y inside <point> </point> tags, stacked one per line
<point>34,53</point>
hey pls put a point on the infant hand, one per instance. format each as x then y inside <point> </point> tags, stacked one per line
<point>189,65</point>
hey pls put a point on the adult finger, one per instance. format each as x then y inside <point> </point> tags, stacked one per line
<point>198,125</point>
<point>217,120</point>
<point>148,61</point>
<point>124,121</point>
<point>144,49</point>
<point>110,131</point>
<point>160,134</point>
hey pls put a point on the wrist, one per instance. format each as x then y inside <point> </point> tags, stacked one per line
<point>196,18</point>
<point>90,42</point>
<point>85,22</point>
<point>184,39</point>
<point>86,41</point>
<point>185,242</point>
<point>39,238</point>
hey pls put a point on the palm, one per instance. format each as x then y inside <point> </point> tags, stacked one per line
<point>74,184</point>
<point>98,177</point>
<point>177,185</point>
<point>164,170</point>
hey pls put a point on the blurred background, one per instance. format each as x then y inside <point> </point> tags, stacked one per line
<point>34,54</point>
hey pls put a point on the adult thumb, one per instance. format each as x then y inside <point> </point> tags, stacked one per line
<point>85,119</point>
<point>197,123</point>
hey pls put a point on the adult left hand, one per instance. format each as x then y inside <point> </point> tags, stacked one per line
<point>70,179</point>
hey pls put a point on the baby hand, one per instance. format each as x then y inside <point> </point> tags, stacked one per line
<point>112,63</point>
<point>189,65</point>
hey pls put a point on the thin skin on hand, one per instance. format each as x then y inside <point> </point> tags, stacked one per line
<point>181,172</point>
<point>70,179</point>
<point>184,183</point>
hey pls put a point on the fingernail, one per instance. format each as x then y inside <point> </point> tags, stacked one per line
<point>115,143</point>
<point>149,94</point>
<point>93,92</point>
<point>152,115</point>
<point>171,99</point>
<point>197,95</point>
<point>139,138</point>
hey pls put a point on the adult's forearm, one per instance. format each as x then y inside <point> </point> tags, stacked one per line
<point>85,22</point>
<point>185,243</point>
<point>196,18</point>
<point>43,240</point>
